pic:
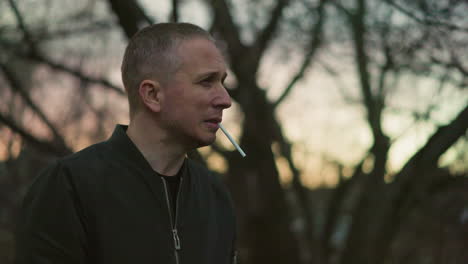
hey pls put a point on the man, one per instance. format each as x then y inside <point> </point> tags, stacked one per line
<point>135,198</point>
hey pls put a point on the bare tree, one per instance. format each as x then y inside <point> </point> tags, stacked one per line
<point>428,42</point>
<point>381,208</point>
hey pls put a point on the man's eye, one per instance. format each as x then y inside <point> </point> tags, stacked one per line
<point>206,82</point>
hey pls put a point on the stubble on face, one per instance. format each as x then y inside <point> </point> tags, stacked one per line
<point>189,107</point>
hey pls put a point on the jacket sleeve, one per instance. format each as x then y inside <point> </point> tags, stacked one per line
<point>50,226</point>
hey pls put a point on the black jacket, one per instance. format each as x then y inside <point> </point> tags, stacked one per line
<point>105,204</point>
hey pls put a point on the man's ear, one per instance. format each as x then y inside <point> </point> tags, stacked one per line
<point>150,94</point>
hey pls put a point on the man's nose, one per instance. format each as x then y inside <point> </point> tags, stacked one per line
<point>223,99</point>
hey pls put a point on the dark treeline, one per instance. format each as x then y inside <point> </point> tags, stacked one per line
<point>416,214</point>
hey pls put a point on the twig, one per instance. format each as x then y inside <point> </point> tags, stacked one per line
<point>425,21</point>
<point>16,85</point>
<point>45,146</point>
<point>316,41</point>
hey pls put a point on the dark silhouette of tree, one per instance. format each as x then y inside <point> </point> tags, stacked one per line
<point>373,209</point>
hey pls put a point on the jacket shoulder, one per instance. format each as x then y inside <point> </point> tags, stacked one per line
<point>87,164</point>
<point>89,154</point>
<point>210,178</point>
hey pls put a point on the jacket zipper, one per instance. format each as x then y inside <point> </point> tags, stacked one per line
<point>175,235</point>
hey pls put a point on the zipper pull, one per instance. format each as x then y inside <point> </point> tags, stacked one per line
<point>176,239</point>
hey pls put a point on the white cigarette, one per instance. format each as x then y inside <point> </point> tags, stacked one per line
<point>232,140</point>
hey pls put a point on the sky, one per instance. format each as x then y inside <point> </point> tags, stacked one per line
<point>314,116</point>
<point>318,120</point>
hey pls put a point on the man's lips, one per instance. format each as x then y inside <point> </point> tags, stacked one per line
<point>215,120</point>
<point>212,123</point>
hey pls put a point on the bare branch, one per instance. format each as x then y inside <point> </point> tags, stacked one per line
<point>42,145</point>
<point>316,41</point>
<point>454,64</point>
<point>411,181</point>
<point>43,34</point>
<point>347,97</point>
<point>361,57</point>
<point>22,25</point>
<point>175,11</point>
<point>268,32</point>
<point>62,33</point>
<point>341,8</point>
<point>77,73</point>
<point>16,85</point>
<point>61,67</point>
<point>35,55</point>
<point>130,15</point>
<point>302,193</point>
<point>225,26</point>
<point>374,104</point>
<point>437,144</point>
<point>384,69</point>
<point>339,197</point>
<point>425,20</point>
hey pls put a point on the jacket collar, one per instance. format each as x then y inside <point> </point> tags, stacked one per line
<point>123,146</point>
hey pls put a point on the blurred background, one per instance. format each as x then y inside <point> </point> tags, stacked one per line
<point>353,115</point>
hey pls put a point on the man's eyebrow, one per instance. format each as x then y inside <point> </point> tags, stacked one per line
<point>212,73</point>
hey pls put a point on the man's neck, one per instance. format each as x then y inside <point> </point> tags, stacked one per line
<point>164,157</point>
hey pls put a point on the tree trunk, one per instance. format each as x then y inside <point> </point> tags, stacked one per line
<point>263,215</point>
<point>415,178</point>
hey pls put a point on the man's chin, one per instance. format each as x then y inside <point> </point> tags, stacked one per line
<point>206,141</point>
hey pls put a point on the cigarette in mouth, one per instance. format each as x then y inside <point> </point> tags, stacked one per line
<point>232,140</point>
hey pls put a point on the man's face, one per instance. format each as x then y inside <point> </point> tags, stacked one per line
<point>194,99</point>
